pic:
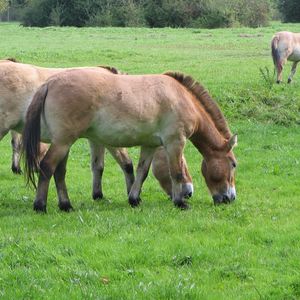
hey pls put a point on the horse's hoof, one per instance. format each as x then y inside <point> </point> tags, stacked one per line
<point>134,202</point>
<point>97,195</point>
<point>39,207</point>
<point>181,204</point>
<point>289,80</point>
<point>16,170</point>
<point>278,81</point>
<point>65,206</point>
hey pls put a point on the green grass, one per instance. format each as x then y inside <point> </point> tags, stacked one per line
<point>107,250</point>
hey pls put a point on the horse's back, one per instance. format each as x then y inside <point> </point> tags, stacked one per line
<point>139,95</point>
<point>18,82</point>
<point>94,104</point>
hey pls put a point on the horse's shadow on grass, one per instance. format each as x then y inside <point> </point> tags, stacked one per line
<point>17,207</point>
<point>109,204</point>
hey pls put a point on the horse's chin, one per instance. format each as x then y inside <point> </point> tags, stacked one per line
<point>222,199</point>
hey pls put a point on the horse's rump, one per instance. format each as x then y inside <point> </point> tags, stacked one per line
<point>275,52</point>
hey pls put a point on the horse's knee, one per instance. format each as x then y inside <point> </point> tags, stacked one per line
<point>45,169</point>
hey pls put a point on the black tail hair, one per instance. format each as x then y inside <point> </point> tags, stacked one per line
<point>31,135</point>
<point>275,52</point>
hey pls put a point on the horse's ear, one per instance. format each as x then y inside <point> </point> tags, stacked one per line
<point>232,142</point>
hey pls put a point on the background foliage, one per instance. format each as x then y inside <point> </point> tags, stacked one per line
<point>152,13</point>
<point>290,10</point>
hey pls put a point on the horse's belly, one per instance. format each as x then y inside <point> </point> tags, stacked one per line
<point>125,134</point>
<point>295,56</point>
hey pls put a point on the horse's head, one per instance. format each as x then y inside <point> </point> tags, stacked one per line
<point>218,171</point>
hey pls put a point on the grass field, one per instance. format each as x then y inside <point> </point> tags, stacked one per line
<point>107,250</point>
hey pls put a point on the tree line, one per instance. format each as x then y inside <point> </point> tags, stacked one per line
<point>150,13</point>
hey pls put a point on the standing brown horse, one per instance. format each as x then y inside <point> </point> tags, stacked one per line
<point>18,82</point>
<point>285,46</point>
<point>114,110</point>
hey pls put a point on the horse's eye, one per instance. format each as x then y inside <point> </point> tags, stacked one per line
<point>234,164</point>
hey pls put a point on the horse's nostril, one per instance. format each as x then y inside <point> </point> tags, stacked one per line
<point>226,199</point>
<point>187,190</point>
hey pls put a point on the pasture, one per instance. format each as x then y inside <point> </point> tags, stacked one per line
<point>107,250</point>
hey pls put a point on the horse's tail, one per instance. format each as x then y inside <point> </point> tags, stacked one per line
<point>275,51</point>
<point>32,134</point>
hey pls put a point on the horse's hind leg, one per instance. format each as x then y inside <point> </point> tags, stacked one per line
<point>97,166</point>
<point>293,71</point>
<point>16,150</point>
<point>62,193</point>
<point>279,69</point>
<point>122,158</point>
<point>53,157</point>
<point>141,174</point>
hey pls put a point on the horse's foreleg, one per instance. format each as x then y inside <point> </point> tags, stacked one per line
<point>53,157</point>
<point>16,150</point>
<point>62,193</point>
<point>145,160</point>
<point>293,71</point>
<point>122,158</point>
<point>174,152</point>
<point>97,166</point>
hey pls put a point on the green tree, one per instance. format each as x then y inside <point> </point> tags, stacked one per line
<point>290,10</point>
<point>3,5</point>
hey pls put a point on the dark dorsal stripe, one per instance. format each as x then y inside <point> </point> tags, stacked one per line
<point>11,59</point>
<point>206,101</point>
<point>112,70</point>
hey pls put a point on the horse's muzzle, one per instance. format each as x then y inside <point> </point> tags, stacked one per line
<point>187,190</point>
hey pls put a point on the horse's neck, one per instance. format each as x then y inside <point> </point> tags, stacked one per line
<point>207,138</point>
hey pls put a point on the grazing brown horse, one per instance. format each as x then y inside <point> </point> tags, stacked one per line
<point>160,170</point>
<point>17,86</point>
<point>114,110</point>
<point>18,83</point>
<point>285,46</point>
